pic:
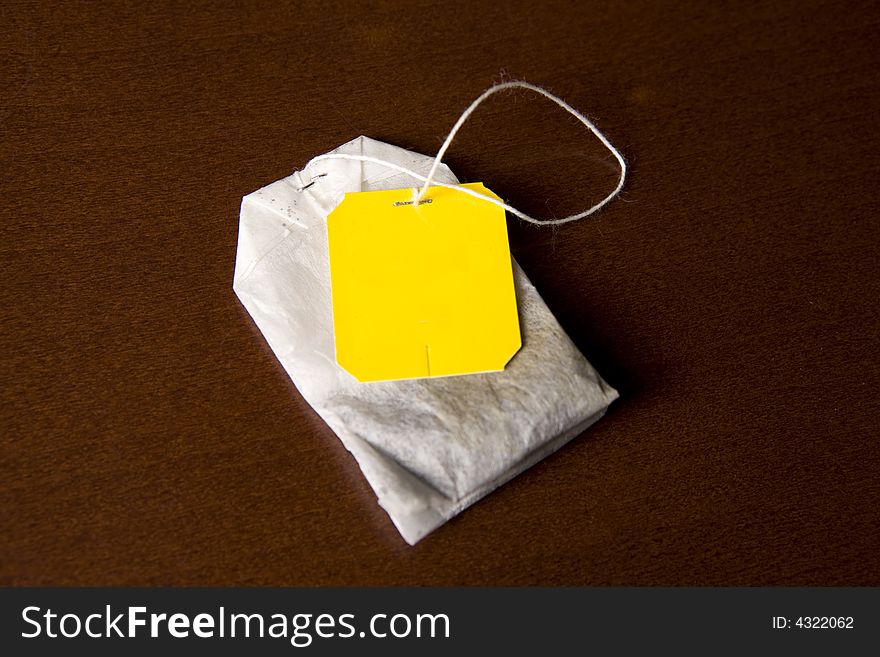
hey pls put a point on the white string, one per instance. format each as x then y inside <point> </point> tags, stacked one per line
<point>429,179</point>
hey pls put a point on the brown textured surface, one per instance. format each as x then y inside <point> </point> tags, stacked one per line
<point>149,436</point>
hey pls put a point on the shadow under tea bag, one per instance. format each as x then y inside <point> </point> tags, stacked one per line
<point>429,447</point>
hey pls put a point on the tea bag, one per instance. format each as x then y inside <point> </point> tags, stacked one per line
<point>428,447</point>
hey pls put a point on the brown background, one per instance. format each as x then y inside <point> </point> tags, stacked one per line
<point>731,294</point>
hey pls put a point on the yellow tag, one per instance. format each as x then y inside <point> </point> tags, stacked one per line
<point>421,291</point>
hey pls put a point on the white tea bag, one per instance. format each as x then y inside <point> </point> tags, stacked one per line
<point>428,447</point>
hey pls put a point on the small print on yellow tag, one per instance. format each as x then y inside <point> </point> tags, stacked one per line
<point>421,291</point>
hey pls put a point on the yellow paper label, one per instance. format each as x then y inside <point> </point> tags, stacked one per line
<point>421,291</point>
